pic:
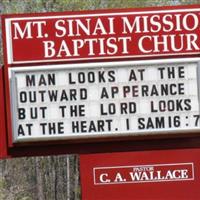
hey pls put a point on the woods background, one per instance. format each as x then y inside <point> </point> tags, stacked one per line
<point>53,177</point>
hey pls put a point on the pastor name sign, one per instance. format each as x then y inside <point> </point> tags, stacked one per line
<point>101,35</point>
<point>143,173</point>
<point>164,174</point>
<point>101,100</point>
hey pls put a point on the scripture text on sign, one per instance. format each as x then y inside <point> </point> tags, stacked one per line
<point>102,35</point>
<point>104,100</point>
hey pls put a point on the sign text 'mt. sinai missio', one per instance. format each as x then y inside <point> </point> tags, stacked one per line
<point>104,100</point>
<point>104,35</point>
<point>140,24</point>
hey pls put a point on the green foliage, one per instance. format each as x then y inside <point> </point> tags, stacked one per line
<point>23,197</point>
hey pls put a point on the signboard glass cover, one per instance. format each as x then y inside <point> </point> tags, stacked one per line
<point>99,100</point>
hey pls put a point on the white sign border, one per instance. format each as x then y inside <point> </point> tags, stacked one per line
<point>150,181</point>
<point>86,136</point>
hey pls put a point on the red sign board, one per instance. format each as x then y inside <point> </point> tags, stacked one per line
<point>104,35</point>
<point>101,35</point>
<point>164,174</point>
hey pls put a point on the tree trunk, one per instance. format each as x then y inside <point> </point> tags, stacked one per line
<point>76,181</point>
<point>39,182</point>
<point>68,178</point>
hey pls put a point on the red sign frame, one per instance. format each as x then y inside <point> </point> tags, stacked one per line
<point>168,174</point>
<point>121,34</point>
<point>3,135</point>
